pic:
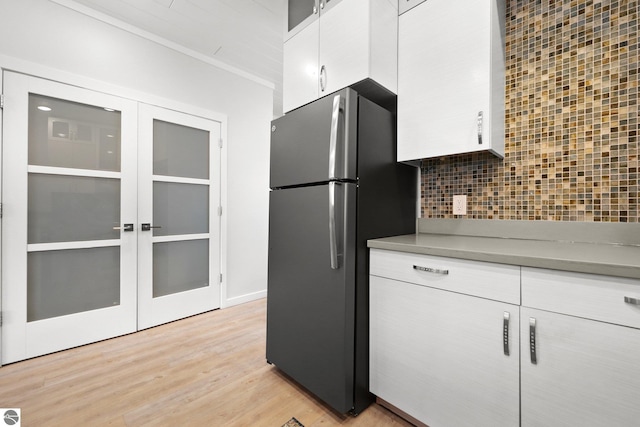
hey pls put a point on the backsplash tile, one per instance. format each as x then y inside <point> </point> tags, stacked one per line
<point>571,129</point>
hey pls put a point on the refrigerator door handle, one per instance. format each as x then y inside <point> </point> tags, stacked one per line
<point>333,238</point>
<point>338,107</point>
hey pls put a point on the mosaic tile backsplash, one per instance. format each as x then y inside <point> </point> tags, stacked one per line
<point>571,129</point>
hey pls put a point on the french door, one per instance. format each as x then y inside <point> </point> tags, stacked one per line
<point>179,194</point>
<point>86,177</point>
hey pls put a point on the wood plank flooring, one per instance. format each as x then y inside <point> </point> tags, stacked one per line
<point>207,370</point>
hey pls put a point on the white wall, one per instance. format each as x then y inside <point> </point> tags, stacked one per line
<point>43,38</point>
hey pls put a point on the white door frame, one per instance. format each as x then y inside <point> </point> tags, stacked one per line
<point>8,63</point>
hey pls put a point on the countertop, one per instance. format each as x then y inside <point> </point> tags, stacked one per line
<point>505,247</point>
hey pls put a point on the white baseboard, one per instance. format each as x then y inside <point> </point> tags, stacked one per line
<point>229,302</point>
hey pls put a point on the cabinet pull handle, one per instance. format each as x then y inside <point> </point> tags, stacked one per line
<point>480,127</point>
<point>632,301</point>
<point>323,78</point>
<point>532,340</point>
<point>322,5</point>
<point>505,333</point>
<point>430,270</point>
<point>315,9</point>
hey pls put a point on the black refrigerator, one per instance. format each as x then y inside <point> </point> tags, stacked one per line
<point>334,184</point>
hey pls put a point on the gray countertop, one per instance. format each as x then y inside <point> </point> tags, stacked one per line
<point>607,258</point>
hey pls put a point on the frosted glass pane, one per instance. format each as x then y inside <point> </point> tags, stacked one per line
<point>72,135</point>
<point>180,266</point>
<point>180,208</point>
<point>72,281</point>
<point>180,151</point>
<point>72,208</point>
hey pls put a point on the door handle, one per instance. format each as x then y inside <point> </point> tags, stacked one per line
<point>333,238</point>
<point>323,78</point>
<point>532,341</point>
<point>147,227</point>
<point>632,301</point>
<point>338,106</point>
<point>127,227</point>
<point>480,119</point>
<point>505,333</point>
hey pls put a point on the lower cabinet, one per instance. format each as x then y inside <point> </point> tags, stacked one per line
<point>567,354</point>
<point>580,349</point>
<point>586,373</point>
<point>444,358</point>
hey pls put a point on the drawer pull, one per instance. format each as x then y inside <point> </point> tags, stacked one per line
<point>430,270</point>
<point>532,340</point>
<point>632,301</point>
<point>505,333</point>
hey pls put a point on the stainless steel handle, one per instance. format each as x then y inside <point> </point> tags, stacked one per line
<point>148,227</point>
<point>430,270</point>
<point>632,301</point>
<point>338,106</point>
<point>532,341</point>
<point>321,5</point>
<point>505,333</point>
<point>315,9</point>
<point>127,227</point>
<point>323,78</point>
<point>480,119</point>
<point>333,238</point>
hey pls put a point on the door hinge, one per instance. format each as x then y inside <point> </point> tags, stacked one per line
<point>220,277</point>
<point>219,210</point>
<point>220,143</point>
<point>1,100</point>
<point>0,210</point>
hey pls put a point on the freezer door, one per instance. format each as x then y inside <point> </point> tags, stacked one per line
<point>310,305</point>
<point>315,143</point>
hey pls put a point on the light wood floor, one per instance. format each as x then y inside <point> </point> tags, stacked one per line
<point>207,370</point>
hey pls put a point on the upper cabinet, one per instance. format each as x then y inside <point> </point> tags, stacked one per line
<point>301,13</point>
<point>345,42</point>
<point>451,78</point>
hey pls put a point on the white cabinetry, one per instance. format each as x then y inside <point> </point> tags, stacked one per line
<point>586,371</point>
<point>451,71</point>
<point>349,42</point>
<point>440,355</point>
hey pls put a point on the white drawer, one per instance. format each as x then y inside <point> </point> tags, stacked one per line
<point>483,279</point>
<point>590,296</point>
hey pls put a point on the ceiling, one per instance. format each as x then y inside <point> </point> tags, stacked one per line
<point>245,34</point>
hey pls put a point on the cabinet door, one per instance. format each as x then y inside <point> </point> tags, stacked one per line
<point>439,356</point>
<point>344,42</point>
<point>358,40</point>
<point>444,79</point>
<point>587,372</point>
<point>301,68</point>
<point>300,13</point>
